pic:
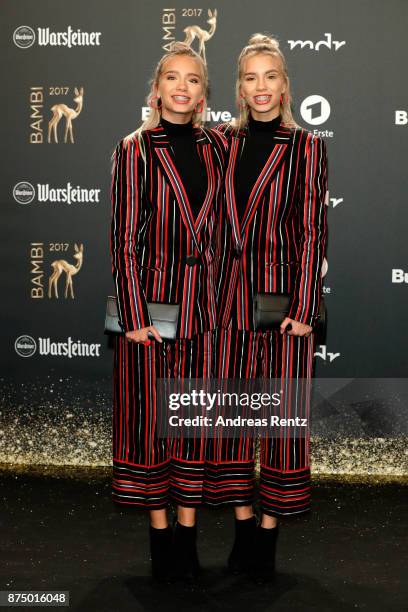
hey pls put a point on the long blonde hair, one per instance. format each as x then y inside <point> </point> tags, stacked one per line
<point>176,49</point>
<point>261,43</point>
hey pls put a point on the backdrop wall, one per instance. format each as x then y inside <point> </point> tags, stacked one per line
<point>88,64</point>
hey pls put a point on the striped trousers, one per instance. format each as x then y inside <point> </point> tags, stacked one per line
<point>150,471</point>
<point>284,480</point>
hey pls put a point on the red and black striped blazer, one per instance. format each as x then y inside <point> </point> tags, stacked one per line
<point>159,251</point>
<point>278,245</point>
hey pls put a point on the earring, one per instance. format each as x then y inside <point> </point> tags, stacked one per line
<point>242,103</point>
<point>281,100</point>
<point>151,102</point>
<point>199,110</point>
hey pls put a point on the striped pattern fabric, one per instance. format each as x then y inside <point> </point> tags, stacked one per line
<point>278,245</point>
<point>228,483</point>
<point>153,235</point>
<point>149,471</point>
<point>153,231</point>
<point>284,484</point>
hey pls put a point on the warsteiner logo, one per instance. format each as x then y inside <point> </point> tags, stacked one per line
<point>24,37</point>
<point>26,346</point>
<point>24,193</point>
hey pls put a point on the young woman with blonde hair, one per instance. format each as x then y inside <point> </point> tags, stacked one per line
<point>165,190</point>
<point>272,242</point>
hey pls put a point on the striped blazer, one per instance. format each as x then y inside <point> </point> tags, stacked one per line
<point>278,244</point>
<point>159,251</point>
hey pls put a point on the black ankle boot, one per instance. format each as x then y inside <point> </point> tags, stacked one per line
<point>263,569</point>
<point>186,562</point>
<point>242,554</point>
<point>161,553</point>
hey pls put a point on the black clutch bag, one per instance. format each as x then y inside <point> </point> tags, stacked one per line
<point>164,317</point>
<point>271,308</point>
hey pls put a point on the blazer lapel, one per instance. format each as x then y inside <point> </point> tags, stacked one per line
<point>282,141</point>
<point>167,161</point>
<point>165,156</point>
<point>235,149</point>
<point>205,154</point>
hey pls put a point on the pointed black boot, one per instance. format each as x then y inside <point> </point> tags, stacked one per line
<point>263,569</point>
<point>161,545</point>
<point>185,560</point>
<point>242,554</point>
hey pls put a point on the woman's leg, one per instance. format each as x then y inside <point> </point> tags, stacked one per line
<point>186,562</point>
<point>158,519</point>
<point>243,512</point>
<point>188,359</point>
<point>186,516</point>
<point>141,459</point>
<point>230,473</point>
<point>230,476</point>
<point>161,546</point>
<point>284,453</point>
<point>268,522</point>
<point>241,556</point>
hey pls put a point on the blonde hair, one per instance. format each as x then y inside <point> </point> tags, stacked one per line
<point>260,43</point>
<point>176,49</point>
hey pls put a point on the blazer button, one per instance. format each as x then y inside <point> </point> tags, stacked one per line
<point>191,260</point>
<point>237,252</point>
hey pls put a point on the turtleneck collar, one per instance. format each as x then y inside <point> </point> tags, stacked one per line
<point>177,129</point>
<point>263,126</point>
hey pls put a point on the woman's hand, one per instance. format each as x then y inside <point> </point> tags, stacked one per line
<point>141,335</point>
<point>298,329</point>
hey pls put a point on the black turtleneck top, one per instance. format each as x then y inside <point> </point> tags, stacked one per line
<point>188,163</point>
<point>257,148</point>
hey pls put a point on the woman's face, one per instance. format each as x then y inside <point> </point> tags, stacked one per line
<point>262,84</point>
<point>180,88</point>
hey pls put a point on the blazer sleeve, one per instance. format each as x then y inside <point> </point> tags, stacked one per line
<point>126,198</point>
<point>305,302</point>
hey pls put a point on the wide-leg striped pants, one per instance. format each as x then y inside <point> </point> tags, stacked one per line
<point>148,471</point>
<point>284,484</point>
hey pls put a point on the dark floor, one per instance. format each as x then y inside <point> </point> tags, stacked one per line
<point>349,553</point>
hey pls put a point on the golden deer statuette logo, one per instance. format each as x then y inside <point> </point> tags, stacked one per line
<point>62,110</point>
<point>202,36</point>
<point>61,265</point>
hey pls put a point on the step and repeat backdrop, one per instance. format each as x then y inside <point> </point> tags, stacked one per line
<point>75,79</point>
